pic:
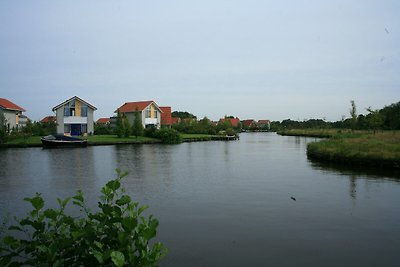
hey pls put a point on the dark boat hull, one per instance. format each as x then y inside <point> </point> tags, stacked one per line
<point>62,141</point>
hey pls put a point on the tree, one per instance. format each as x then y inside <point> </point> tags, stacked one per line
<point>123,127</point>
<point>3,129</point>
<point>374,119</point>
<point>137,128</point>
<point>353,114</point>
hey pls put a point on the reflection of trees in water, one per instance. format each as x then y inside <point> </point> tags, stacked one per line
<point>353,186</point>
<point>357,173</point>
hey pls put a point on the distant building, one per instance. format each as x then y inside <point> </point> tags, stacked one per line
<point>103,121</point>
<point>235,122</point>
<point>264,124</point>
<point>249,124</point>
<point>149,112</point>
<point>74,117</point>
<point>48,119</point>
<point>14,119</point>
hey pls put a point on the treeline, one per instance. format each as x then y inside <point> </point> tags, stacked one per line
<point>205,126</point>
<point>387,118</point>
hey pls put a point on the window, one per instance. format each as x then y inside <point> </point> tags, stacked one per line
<point>84,128</point>
<point>67,128</point>
<point>84,111</point>
<point>155,114</point>
<point>66,111</point>
<point>148,113</point>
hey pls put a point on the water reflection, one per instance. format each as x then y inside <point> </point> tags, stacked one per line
<point>230,200</point>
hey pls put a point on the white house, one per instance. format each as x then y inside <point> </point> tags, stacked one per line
<point>74,117</point>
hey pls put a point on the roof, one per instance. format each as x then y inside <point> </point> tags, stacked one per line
<point>234,121</point>
<point>103,121</point>
<point>166,117</point>
<point>48,119</point>
<point>7,104</point>
<point>264,121</point>
<point>77,98</point>
<point>248,122</point>
<point>133,106</point>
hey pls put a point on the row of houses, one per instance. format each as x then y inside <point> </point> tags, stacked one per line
<point>75,116</point>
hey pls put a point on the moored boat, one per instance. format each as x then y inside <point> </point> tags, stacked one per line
<point>62,141</point>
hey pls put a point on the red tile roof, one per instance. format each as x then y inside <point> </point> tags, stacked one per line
<point>234,121</point>
<point>248,123</point>
<point>7,104</point>
<point>48,119</point>
<point>166,117</point>
<point>103,121</point>
<point>264,122</point>
<point>132,106</point>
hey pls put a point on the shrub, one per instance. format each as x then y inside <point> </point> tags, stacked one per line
<point>116,235</point>
<point>168,136</point>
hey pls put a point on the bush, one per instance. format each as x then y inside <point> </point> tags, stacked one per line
<point>168,136</point>
<point>116,235</point>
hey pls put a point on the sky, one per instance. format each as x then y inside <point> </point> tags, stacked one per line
<point>254,59</point>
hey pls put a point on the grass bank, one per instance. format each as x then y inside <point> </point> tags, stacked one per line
<point>96,140</point>
<point>322,133</point>
<point>381,149</point>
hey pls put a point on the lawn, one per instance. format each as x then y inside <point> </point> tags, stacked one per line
<point>113,139</point>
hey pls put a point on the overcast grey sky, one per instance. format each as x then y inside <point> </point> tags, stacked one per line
<point>252,59</point>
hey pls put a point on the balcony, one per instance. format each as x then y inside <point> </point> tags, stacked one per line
<point>75,120</point>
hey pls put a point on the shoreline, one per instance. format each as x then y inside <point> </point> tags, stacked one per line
<point>34,141</point>
<point>358,148</point>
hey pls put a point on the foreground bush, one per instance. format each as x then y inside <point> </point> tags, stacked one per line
<point>116,235</point>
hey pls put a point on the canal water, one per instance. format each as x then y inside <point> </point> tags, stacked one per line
<point>228,203</point>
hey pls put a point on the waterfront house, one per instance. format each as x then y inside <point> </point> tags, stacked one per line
<point>233,121</point>
<point>103,121</point>
<point>149,112</point>
<point>249,124</point>
<point>14,119</point>
<point>264,124</point>
<point>74,117</point>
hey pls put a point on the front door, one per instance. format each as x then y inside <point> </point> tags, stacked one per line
<point>76,129</point>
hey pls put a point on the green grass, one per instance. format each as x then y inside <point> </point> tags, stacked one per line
<point>196,136</point>
<point>323,133</point>
<point>113,139</point>
<point>25,141</point>
<point>380,149</point>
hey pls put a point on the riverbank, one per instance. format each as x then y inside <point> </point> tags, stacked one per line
<point>98,140</point>
<point>380,149</point>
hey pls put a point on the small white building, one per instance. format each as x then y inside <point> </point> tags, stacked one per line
<point>14,119</point>
<point>75,117</point>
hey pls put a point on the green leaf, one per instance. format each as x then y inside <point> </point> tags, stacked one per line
<point>129,223</point>
<point>118,258</point>
<point>113,185</point>
<point>125,199</point>
<point>142,208</point>
<point>37,201</point>
<point>79,196</point>
<point>98,255</point>
<point>51,214</point>
<point>15,228</point>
